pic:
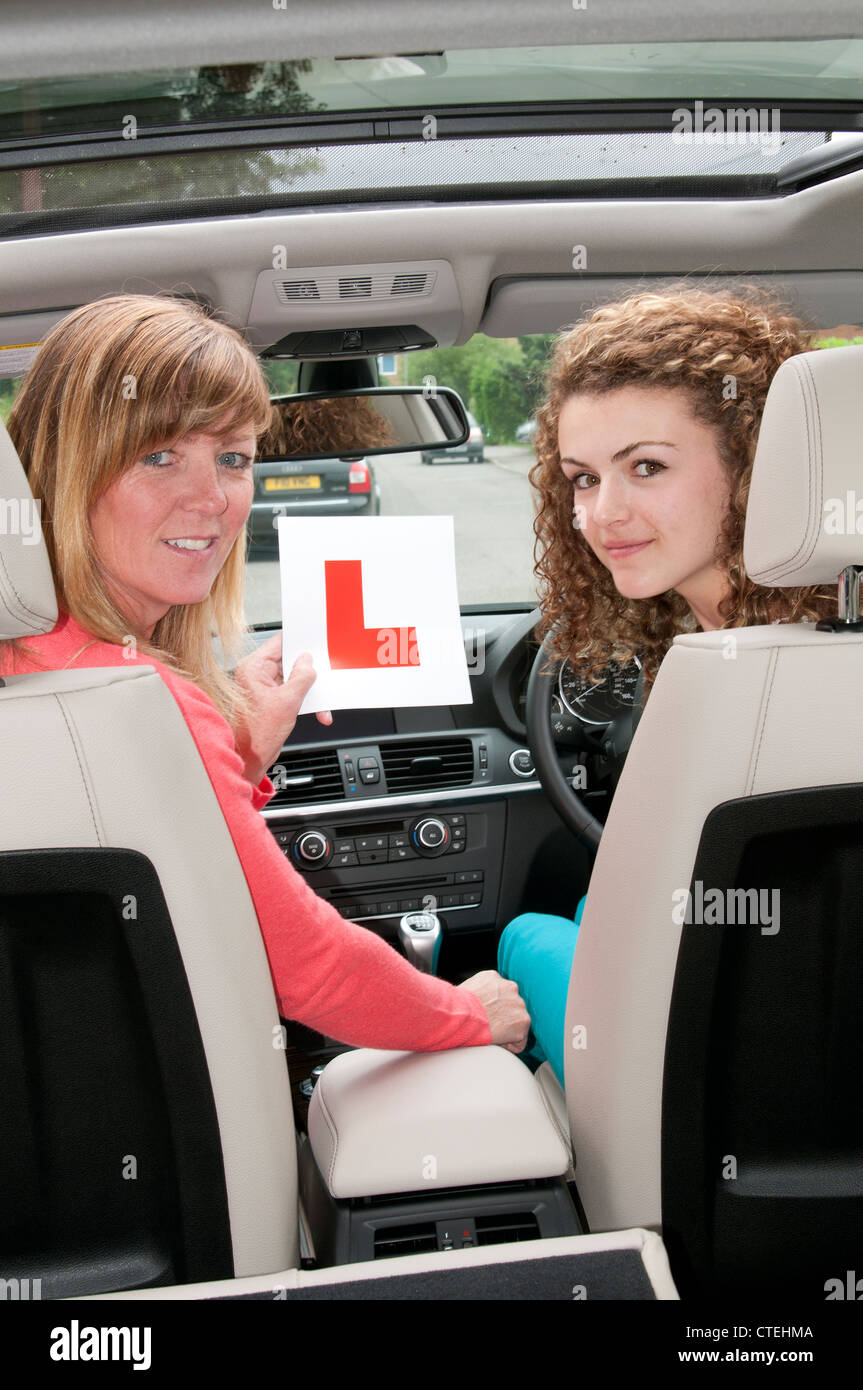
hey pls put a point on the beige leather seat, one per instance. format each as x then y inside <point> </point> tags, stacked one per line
<point>732,715</point>
<point>103,758</point>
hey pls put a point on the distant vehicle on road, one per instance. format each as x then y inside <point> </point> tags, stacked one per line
<point>472,451</point>
<point>526,433</point>
<point>318,487</point>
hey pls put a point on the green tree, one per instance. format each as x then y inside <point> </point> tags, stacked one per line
<point>536,350</point>
<point>8,392</point>
<point>500,389</point>
<point>453,367</point>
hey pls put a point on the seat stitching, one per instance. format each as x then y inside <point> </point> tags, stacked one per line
<point>334,1135</point>
<point>33,613</point>
<point>806,547</point>
<point>75,741</point>
<point>762,717</point>
<point>569,1152</point>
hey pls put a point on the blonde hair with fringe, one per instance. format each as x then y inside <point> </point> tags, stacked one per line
<point>113,380</point>
<point>721,351</point>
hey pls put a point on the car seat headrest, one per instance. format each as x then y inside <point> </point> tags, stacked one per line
<point>802,520</point>
<point>28,603</point>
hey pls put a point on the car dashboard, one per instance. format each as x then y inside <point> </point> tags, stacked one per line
<point>390,811</point>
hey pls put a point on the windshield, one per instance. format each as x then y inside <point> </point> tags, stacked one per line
<point>482,484</point>
<point>772,70</point>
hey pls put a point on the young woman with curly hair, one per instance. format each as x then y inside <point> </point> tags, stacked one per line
<point>644,453</point>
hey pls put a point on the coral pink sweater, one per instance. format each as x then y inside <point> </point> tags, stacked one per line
<point>329,974</point>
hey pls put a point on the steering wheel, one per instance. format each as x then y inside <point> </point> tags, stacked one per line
<point>562,795</point>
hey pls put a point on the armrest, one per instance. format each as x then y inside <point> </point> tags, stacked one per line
<point>383,1122</point>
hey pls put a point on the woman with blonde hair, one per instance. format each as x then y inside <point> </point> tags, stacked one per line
<point>137,427</point>
<point>644,448</point>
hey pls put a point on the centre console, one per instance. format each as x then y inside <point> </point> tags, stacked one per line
<point>374,868</point>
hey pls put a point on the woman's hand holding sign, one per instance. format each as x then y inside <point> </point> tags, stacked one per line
<point>275,704</point>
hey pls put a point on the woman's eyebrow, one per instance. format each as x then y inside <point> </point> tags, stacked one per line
<point>621,453</point>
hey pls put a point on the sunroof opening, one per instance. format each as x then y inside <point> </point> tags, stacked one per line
<point>230,181</point>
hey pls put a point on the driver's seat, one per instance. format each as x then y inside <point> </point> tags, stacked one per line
<point>713,1071</point>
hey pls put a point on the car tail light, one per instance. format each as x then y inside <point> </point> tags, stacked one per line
<point>476,433</point>
<point>359,478</point>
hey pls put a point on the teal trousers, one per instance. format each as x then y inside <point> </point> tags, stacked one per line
<point>536,952</point>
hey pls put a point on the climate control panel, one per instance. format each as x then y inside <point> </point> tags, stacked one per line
<point>421,837</point>
<point>376,869</point>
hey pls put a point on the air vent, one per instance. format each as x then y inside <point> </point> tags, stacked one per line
<point>506,1227</point>
<point>499,1228</point>
<point>405,1240</point>
<point>299,289</point>
<point>426,764</point>
<point>409,284</point>
<point>356,287</point>
<point>376,285</point>
<point>300,778</point>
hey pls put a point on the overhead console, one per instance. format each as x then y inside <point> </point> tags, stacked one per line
<point>355,310</point>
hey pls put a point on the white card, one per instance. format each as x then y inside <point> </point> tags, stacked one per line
<point>374,599</point>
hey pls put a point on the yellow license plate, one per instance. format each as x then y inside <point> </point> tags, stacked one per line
<point>303,480</point>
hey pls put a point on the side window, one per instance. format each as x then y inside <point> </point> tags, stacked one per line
<point>9,388</point>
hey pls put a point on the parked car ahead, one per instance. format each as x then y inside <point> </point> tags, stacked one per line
<point>526,433</point>
<point>318,487</point>
<point>472,451</point>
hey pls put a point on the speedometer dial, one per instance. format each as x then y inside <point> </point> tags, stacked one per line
<point>599,702</point>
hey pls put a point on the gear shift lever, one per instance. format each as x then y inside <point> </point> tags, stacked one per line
<point>420,936</point>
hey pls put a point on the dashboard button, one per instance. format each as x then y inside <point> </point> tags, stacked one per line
<point>398,841</point>
<point>457,819</point>
<point>344,847</point>
<point>450,900</point>
<point>431,836</point>
<point>409,904</point>
<point>369,774</point>
<point>521,762</point>
<point>456,847</point>
<point>373,856</point>
<point>469,899</point>
<point>395,856</point>
<point>372,842</point>
<point>312,848</point>
<point>469,876</point>
<point>344,861</point>
<point>390,906</point>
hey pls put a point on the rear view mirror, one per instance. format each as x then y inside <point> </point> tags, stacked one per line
<point>381,420</point>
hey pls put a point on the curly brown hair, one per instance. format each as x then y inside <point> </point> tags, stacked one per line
<point>346,425</point>
<point>722,350</point>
